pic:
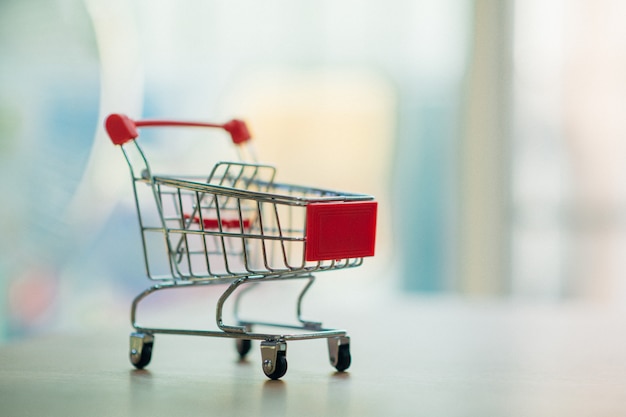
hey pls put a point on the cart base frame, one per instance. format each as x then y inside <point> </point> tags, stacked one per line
<point>273,345</point>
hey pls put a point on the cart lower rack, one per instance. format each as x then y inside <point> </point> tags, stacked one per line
<point>234,227</point>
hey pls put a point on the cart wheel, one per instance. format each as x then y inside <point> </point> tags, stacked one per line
<point>280,369</point>
<point>339,352</point>
<point>243,347</point>
<point>343,358</point>
<point>141,349</point>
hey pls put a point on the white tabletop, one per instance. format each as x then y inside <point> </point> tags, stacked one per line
<point>412,356</point>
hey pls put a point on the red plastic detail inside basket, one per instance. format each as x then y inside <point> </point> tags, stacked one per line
<point>340,230</point>
<point>120,128</point>
<point>213,223</point>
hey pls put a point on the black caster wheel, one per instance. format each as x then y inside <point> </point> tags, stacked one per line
<point>343,358</point>
<point>243,347</point>
<point>339,352</point>
<point>280,368</point>
<point>274,358</point>
<point>141,349</point>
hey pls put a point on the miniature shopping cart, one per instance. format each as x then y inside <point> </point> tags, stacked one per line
<point>237,226</point>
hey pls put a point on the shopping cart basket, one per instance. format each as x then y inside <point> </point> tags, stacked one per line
<point>236,225</point>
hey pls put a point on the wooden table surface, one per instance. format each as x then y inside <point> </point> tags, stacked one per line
<point>411,357</point>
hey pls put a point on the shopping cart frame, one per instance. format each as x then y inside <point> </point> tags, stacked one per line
<point>123,131</point>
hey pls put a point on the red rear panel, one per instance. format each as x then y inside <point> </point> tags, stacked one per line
<point>340,230</point>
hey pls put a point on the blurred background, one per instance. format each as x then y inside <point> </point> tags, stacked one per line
<point>491,132</point>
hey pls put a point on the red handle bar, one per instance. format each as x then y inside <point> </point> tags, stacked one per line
<point>122,128</point>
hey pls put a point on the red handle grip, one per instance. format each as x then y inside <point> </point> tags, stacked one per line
<point>122,128</point>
